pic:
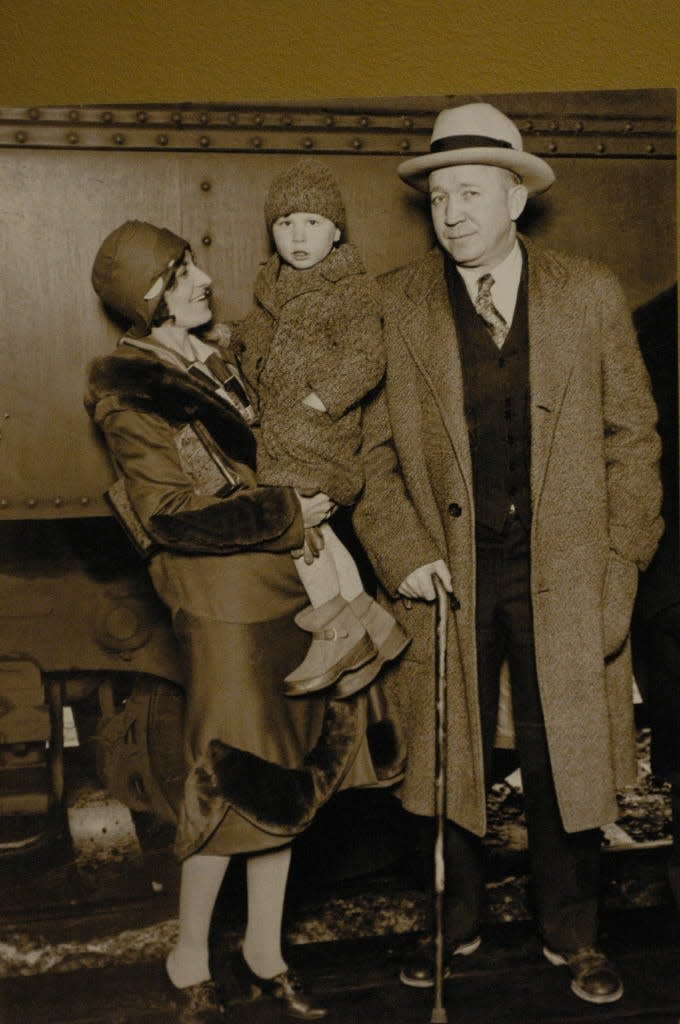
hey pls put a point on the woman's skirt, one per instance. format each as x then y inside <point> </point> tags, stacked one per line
<point>247,747</point>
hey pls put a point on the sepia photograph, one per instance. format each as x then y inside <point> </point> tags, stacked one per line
<point>339,560</point>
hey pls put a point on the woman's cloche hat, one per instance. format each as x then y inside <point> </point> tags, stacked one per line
<point>128,266</point>
<point>477,133</point>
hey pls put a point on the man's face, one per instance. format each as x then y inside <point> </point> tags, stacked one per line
<point>474,209</point>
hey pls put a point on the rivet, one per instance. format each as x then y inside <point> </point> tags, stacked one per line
<point>529,126</point>
<point>579,126</point>
<point>404,145</point>
<point>32,502</point>
<point>357,143</point>
<point>601,147</point>
<point>73,138</point>
<point>651,148</point>
<point>73,115</point>
<point>232,118</point>
<point>176,118</point>
<point>119,138</point>
<point>628,126</point>
<point>162,139</point>
<point>308,143</point>
<point>107,116</point>
<point>205,186</point>
<point>554,126</point>
<point>204,141</point>
<point>58,502</point>
<point>258,119</point>
<point>256,141</point>
<point>4,503</point>
<point>84,501</point>
<point>286,120</point>
<point>408,123</point>
<point>142,116</point>
<point>203,119</point>
<point>34,114</point>
<point>552,147</point>
<point>21,136</point>
<point>364,122</point>
<point>207,240</point>
<point>5,416</point>
<point>329,120</point>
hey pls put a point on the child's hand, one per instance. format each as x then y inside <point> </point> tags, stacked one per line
<point>220,333</point>
<point>312,401</point>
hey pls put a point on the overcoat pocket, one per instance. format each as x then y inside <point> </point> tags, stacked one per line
<point>618,597</point>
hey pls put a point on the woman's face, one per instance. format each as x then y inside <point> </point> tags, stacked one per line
<point>188,297</point>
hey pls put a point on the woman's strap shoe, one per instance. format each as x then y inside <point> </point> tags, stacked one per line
<point>285,987</point>
<point>196,1004</point>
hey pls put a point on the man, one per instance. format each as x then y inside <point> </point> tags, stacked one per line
<point>513,444</point>
<point>656,616</point>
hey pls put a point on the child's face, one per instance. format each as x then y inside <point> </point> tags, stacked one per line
<point>304,239</point>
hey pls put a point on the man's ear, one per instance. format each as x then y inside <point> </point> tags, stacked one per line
<point>517,200</point>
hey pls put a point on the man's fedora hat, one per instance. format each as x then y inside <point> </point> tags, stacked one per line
<point>477,133</point>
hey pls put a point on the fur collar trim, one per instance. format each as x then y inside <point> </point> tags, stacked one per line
<point>134,379</point>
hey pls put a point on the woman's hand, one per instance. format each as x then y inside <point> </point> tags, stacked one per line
<point>315,508</point>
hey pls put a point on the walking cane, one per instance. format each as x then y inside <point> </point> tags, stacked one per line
<point>439,1015</point>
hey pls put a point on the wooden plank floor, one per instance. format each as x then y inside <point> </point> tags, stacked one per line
<point>507,982</point>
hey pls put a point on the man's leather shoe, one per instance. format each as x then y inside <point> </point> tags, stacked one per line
<point>285,987</point>
<point>417,970</point>
<point>593,977</point>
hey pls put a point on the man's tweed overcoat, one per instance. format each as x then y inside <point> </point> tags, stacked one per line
<point>595,500</point>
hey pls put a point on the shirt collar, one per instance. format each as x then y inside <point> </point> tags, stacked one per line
<point>506,277</point>
<point>193,350</point>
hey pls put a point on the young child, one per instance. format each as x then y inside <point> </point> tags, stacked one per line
<point>312,350</point>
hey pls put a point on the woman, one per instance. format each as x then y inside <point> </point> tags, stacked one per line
<point>173,408</point>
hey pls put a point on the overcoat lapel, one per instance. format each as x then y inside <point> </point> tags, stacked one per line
<point>554,329</point>
<point>429,333</point>
<point>555,321</point>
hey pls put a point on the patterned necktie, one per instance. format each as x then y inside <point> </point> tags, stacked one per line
<point>488,312</point>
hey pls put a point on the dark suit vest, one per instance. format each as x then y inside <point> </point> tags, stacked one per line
<point>496,388</point>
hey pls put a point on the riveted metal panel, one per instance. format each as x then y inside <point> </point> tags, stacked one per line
<point>69,175</point>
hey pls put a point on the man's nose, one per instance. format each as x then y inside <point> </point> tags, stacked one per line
<point>454,211</point>
<point>299,233</point>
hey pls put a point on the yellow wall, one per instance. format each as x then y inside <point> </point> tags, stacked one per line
<point>65,51</point>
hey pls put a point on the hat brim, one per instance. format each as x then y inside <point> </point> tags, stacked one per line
<point>535,173</point>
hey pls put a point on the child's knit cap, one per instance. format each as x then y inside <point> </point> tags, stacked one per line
<point>306,187</point>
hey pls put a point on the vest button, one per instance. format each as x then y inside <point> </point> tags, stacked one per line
<point>455,510</point>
